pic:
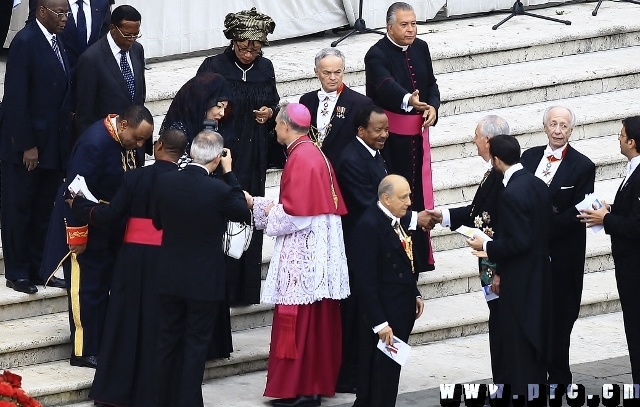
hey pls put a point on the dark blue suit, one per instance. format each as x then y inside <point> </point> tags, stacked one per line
<point>36,112</point>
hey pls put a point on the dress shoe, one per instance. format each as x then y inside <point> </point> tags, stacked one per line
<point>301,401</point>
<point>84,361</point>
<point>54,282</point>
<point>22,285</point>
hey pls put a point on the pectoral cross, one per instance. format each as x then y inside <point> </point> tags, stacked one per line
<point>325,106</point>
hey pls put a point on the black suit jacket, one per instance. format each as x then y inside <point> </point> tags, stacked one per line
<point>486,199</point>
<point>36,110</point>
<point>342,128</point>
<point>623,223</point>
<point>100,21</point>
<point>521,250</point>
<point>102,89</point>
<point>389,79</point>
<point>192,209</point>
<point>381,269</point>
<point>573,180</point>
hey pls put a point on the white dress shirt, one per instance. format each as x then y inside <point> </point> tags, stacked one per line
<point>553,166</point>
<point>86,6</point>
<point>46,33</point>
<point>323,120</point>
<point>115,49</point>
<point>631,167</point>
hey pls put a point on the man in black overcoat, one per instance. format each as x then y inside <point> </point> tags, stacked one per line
<point>110,74</point>
<point>386,287</point>
<point>35,123</point>
<point>334,106</point>
<point>622,222</point>
<point>521,251</point>
<point>483,213</point>
<point>569,175</point>
<point>192,209</point>
<point>399,78</point>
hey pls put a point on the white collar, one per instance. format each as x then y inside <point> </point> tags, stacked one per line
<point>487,164</point>
<point>633,164</point>
<point>509,172</point>
<point>46,32</point>
<point>199,165</point>
<point>394,220</point>
<point>402,47</point>
<point>371,150</point>
<point>115,49</point>
<point>323,93</point>
<point>557,153</point>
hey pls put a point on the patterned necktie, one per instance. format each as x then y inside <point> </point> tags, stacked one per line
<point>81,24</point>
<point>484,178</point>
<point>54,45</point>
<point>127,74</point>
<point>380,161</point>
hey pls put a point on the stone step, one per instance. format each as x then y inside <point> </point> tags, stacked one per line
<point>15,305</point>
<point>56,383</point>
<point>453,182</point>
<point>455,45</point>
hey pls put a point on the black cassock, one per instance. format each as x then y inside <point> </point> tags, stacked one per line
<point>128,349</point>
<point>391,73</point>
<point>254,148</point>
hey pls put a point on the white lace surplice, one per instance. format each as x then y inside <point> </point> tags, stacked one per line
<point>308,261</point>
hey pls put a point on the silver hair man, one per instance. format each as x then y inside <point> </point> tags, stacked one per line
<point>545,116</point>
<point>493,125</point>
<point>206,147</point>
<point>325,52</point>
<point>399,5</point>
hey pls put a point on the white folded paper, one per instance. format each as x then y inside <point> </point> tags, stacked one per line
<point>16,3</point>
<point>488,294</point>
<point>470,232</point>
<point>589,202</point>
<point>399,351</point>
<point>79,187</point>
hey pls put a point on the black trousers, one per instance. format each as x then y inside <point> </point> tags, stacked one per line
<point>566,292</point>
<point>495,342</point>
<point>186,327</point>
<point>350,342</point>
<point>27,202</point>
<point>628,281</point>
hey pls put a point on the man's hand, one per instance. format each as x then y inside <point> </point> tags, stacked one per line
<point>386,335</point>
<point>429,116</point>
<point>481,254</point>
<point>432,217</point>
<point>593,217</point>
<point>268,209</point>
<point>419,307</point>
<point>249,199</point>
<point>30,158</point>
<point>77,248</point>
<point>70,202</point>
<point>475,242</point>
<point>263,114</point>
<point>225,161</point>
<point>495,286</point>
<point>414,100</point>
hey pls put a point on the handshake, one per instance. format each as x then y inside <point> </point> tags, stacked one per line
<point>427,218</point>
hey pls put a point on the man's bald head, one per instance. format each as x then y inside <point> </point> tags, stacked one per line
<point>394,193</point>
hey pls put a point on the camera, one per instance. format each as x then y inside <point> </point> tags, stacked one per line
<point>210,125</point>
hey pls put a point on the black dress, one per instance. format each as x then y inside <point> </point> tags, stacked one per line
<point>254,149</point>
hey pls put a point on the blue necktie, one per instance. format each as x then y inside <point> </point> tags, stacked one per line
<point>127,74</point>
<point>54,45</point>
<point>81,24</point>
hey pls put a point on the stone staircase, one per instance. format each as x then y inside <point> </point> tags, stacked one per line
<point>592,66</point>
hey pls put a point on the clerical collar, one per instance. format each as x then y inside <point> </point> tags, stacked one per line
<point>402,47</point>
<point>371,150</point>
<point>199,165</point>
<point>394,220</point>
<point>557,153</point>
<point>509,172</point>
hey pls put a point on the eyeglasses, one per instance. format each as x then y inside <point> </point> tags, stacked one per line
<point>59,15</point>
<point>247,50</point>
<point>128,37</point>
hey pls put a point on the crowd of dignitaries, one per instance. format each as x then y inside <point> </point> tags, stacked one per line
<point>351,223</point>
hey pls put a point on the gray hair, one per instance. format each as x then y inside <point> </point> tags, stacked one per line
<point>206,147</point>
<point>325,52</point>
<point>387,185</point>
<point>545,116</point>
<point>493,125</point>
<point>284,116</point>
<point>391,11</point>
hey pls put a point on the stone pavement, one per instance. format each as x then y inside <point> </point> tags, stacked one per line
<point>598,355</point>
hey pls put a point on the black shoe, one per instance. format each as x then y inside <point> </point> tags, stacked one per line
<point>84,361</point>
<point>22,285</point>
<point>54,282</point>
<point>301,401</point>
<point>344,388</point>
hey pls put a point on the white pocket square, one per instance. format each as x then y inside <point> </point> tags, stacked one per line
<point>567,187</point>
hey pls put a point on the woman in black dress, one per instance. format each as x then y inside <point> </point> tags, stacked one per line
<point>250,131</point>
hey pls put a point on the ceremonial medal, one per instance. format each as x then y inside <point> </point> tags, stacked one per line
<point>340,111</point>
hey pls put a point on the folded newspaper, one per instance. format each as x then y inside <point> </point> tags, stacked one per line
<point>79,187</point>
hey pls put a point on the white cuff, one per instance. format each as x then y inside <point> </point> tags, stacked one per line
<point>446,218</point>
<point>413,224</point>
<point>405,103</point>
<point>484,245</point>
<point>380,327</point>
